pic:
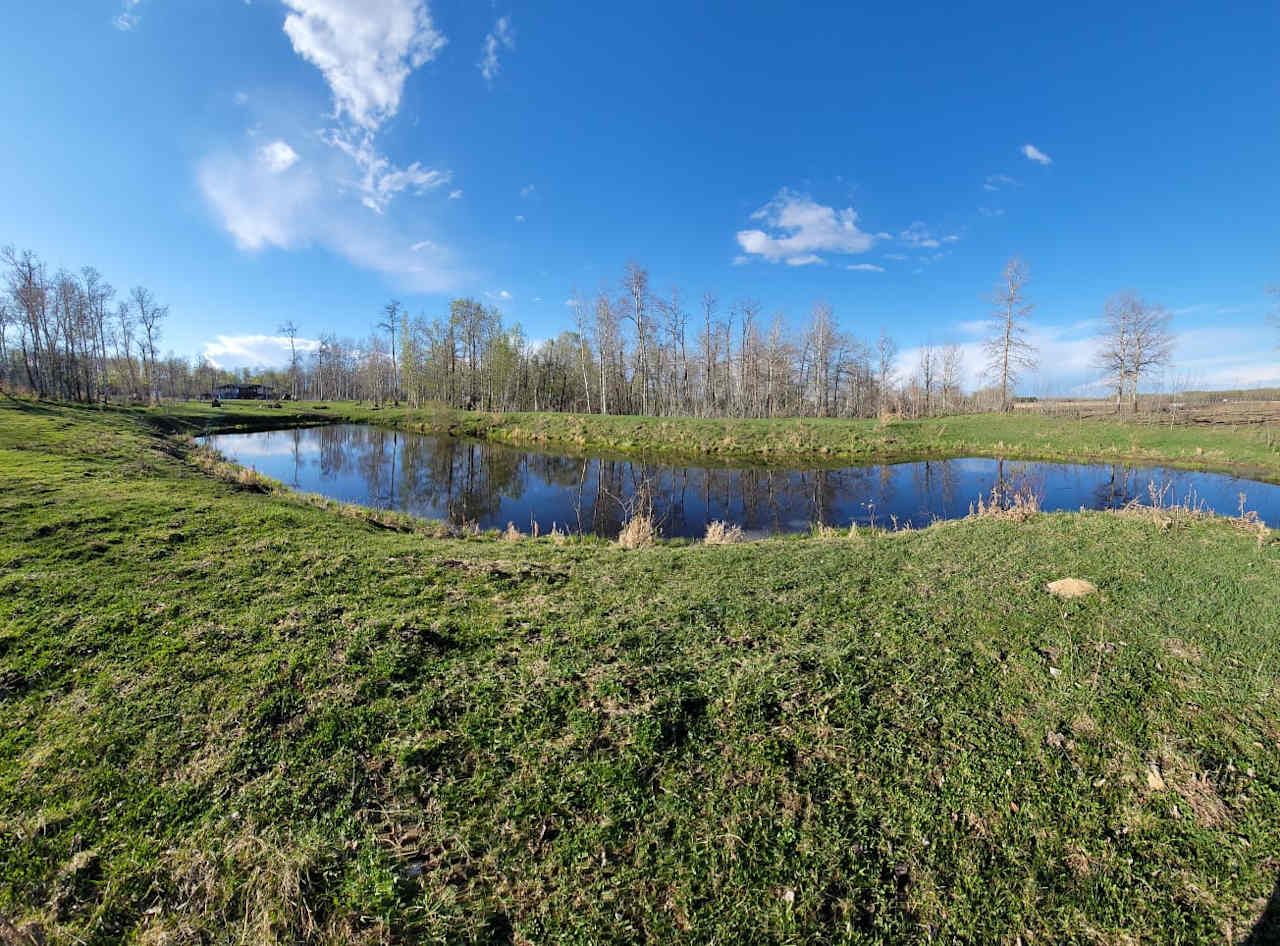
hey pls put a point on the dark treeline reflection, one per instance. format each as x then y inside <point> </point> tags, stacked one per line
<point>469,482</point>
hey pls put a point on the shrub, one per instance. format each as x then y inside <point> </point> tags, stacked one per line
<point>723,533</point>
<point>637,532</point>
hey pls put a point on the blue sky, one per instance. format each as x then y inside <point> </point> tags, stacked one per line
<point>309,159</point>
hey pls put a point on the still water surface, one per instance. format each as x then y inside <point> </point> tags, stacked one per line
<point>465,481</point>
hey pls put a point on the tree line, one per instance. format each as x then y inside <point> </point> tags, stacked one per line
<point>630,350</point>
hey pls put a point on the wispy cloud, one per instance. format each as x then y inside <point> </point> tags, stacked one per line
<point>455,194</point>
<point>802,229</point>
<point>1031,152</point>
<point>995,182</point>
<point>919,236</point>
<point>263,209</point>
<point>380,180</point>
<point>277,157</point>
<point>1206,358</point>
<point>308,191</point>
<point>128,17</point>
<point>866,267</point>
<point>254,351</point>
<point>501,37</point>
<point>528,191</point>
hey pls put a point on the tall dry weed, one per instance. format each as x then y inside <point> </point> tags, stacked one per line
<point>723,533</point>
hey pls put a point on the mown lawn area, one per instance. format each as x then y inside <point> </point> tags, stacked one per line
<point>229,716</point>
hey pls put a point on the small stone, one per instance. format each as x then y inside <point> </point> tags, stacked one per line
<point>1071,588</point>
<point>1155,781</point>
<point>1055,672</point>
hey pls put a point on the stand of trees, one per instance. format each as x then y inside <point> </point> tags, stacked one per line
<point>630,350</point>
<point>68,336</point>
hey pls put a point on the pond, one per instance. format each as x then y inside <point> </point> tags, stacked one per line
<point>490,485</point>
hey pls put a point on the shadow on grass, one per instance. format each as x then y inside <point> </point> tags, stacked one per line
<point>1267,930</point>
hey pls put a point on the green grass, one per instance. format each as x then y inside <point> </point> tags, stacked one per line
<point>229,716</point>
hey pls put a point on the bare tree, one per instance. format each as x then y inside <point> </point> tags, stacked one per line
<point>291,331</point>
<point>952,369</point>
<point>1007,349</point>
<point>392,309</point>
<point>709,354</point>
<point>608,341</point>
<point>6,318</point>
<point>886,352</point>
<point>580,323</point>
<point>928,377</point>
<point>635,286</point>
<point>1135,339</point>
<point>150,315</point>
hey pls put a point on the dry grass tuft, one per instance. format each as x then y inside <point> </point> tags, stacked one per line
<point>212,463</point>
<point>512,534</point>
<point>722,533</point>
<point>1172,772</point>
<point>638,532</point>
<point>1013,503</point>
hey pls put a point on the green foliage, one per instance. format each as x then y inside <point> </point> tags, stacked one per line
<point>237,717</point>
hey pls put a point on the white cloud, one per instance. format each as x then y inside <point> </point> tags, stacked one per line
<point>1035,154</point>
<point>503,294</point>
<point>991,212</point>
<point>262,209</point>
<point>866,267</point>
<point>381,180</point>
<point>501,37</point>
<point>255,351</point>
<point>519,218</point>
<point>802,228</point>
<point>277,157</point>
<point>528,191</point>
<point>918,235</point>
<point>455,194</point>
<point>895,256</point>
<point>365,49</point>
<point>1212,357</point>
<point>995,182</point>
<point>127,18</point>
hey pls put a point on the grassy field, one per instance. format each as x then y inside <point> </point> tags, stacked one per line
<point>233,716</point>
<point>1248,449</point>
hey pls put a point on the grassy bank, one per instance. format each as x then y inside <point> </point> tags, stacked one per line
<point>1251,450</point>
<point>229,716</point>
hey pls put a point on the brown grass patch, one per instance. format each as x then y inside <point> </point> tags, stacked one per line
<point>1012,503</point>
<point>638,532</point>
<point>722,533</point>
<point>1071,588</point>
<point>1182,650</point>
<point>1171,772</point>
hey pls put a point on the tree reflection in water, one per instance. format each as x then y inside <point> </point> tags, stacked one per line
<point>489,485</point>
